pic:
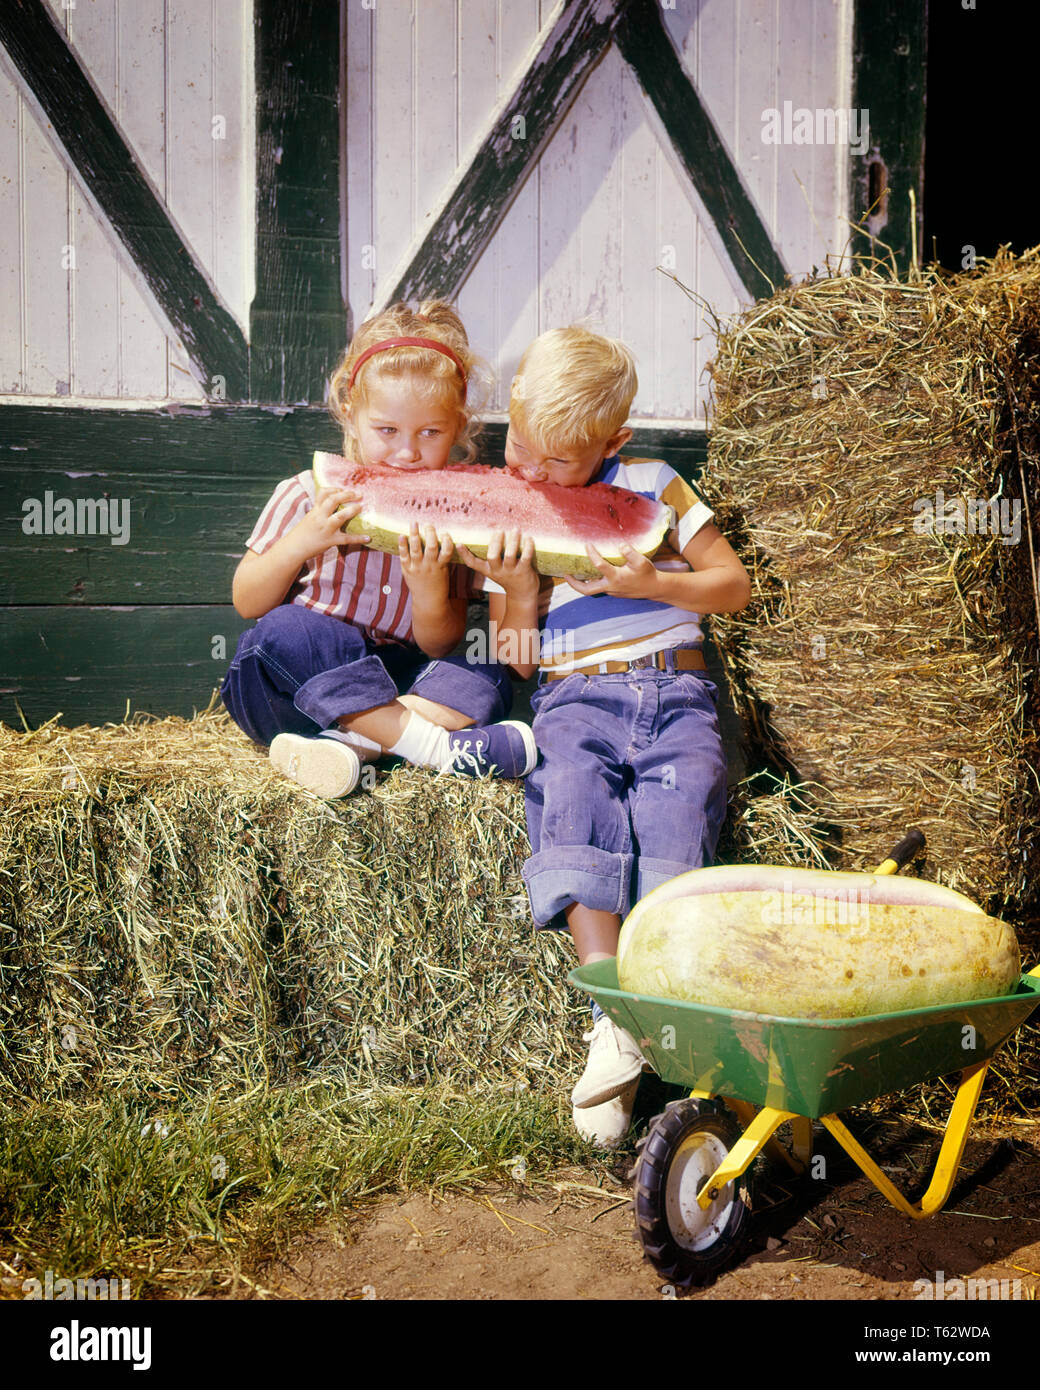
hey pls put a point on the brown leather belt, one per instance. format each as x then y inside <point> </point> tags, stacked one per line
<point>672,659</point>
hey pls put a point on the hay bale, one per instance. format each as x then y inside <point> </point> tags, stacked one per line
<point>890,672</point>
<point>175,917</point>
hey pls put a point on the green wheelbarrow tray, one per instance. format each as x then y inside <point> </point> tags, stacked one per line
<point>810,1067</point>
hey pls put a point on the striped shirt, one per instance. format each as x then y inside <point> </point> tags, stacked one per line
<point>582,630</point>
<point>363,587</point>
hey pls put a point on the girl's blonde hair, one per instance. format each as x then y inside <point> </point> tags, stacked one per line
<point>436,375</point>
<point>572,387</point>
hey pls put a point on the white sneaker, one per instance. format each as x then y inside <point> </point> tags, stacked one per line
<point>324,766</point>
<point>614,1062</point>
<point>607,1124</point>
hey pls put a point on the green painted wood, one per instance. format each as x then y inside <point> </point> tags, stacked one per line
<point>138,537</point>
<point>298,323</point>
<point>480,196</point>
<point>223,440</point>
<point>181,490</point>
<point>890,49</point>
<point>645,44</point>
<point>86,663</point>
<point>106,166</point>
<point>180,493</point>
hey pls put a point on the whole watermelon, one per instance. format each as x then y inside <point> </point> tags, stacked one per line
<point>800,944</point>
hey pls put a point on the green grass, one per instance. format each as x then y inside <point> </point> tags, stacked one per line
<point>85,1193</point>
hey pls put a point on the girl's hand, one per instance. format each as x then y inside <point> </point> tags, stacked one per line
<point>425,558</point>
<point>636,578</point>
<point>510,563</point>
<point>322,526</point>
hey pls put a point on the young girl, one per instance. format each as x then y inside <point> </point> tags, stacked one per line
<point>350,657</point>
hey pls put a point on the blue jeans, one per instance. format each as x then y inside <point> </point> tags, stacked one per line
<point>299,671</point>
<point>630,790</point>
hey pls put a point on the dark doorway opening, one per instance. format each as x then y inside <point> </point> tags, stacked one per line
<point>979,181</point>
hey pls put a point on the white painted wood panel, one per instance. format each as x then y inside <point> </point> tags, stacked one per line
<point>499,301</point>
<point>359,252</point>
<point>607,203</point>
<point>392,175</point>
<point>94,306</point>
<point>137,97</point>
<point>47,271</point>
<point>167,70</point>
<point>12,322</point>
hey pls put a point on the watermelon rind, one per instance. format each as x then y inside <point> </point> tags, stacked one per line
<point>553,556</point>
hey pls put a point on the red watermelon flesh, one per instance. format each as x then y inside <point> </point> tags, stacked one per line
<point>470,501</point>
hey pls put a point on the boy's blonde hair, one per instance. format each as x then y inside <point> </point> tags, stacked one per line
<point>434,374</point>
<point>572,387</point>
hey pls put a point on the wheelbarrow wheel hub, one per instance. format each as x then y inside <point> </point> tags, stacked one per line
<point>695,1161</point>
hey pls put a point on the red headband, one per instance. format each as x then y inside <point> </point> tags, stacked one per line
<point>405,342</point>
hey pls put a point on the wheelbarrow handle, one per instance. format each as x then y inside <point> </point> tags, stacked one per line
<point>909,846</point>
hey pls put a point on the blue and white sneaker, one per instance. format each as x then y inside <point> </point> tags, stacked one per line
<point>496,750</point>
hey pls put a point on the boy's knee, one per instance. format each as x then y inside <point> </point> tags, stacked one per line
<point>580,808</point>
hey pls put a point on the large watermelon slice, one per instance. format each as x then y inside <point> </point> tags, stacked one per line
<point>469,502</point>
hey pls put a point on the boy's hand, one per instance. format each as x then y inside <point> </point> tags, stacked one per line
<point>425,557</point>
<point>509,563</point>
<point>636,578</point>
<point>322,526</point>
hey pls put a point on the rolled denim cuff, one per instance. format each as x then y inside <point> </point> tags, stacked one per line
<point>567,874</point>
<point>651,873</point>
<point>484,693</point>
<point>345,690</point>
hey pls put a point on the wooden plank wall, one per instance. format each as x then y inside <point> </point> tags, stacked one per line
<point>606,205</point>
<point>177,77</point>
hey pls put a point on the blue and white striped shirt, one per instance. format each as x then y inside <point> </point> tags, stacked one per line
<point>582,630</point>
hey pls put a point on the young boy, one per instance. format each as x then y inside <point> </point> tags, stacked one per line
<point>631,787</point>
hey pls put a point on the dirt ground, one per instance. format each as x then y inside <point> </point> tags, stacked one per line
<point>834,1239</point>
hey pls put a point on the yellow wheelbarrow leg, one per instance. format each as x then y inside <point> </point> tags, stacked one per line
<point>744,1152</point>
<point>798,1155</point>
<point>950,1151</point>
<point>801,1143</point>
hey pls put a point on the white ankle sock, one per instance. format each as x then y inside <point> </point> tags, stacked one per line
<point>366,750</point>
<point>423,743</point>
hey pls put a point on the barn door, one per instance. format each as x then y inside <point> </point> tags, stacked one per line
<point>201,200</point>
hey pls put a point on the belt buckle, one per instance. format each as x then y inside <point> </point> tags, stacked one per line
<point>641,662</point>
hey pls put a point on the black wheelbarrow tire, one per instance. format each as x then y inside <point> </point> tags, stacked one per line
<point>682,1148</point>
